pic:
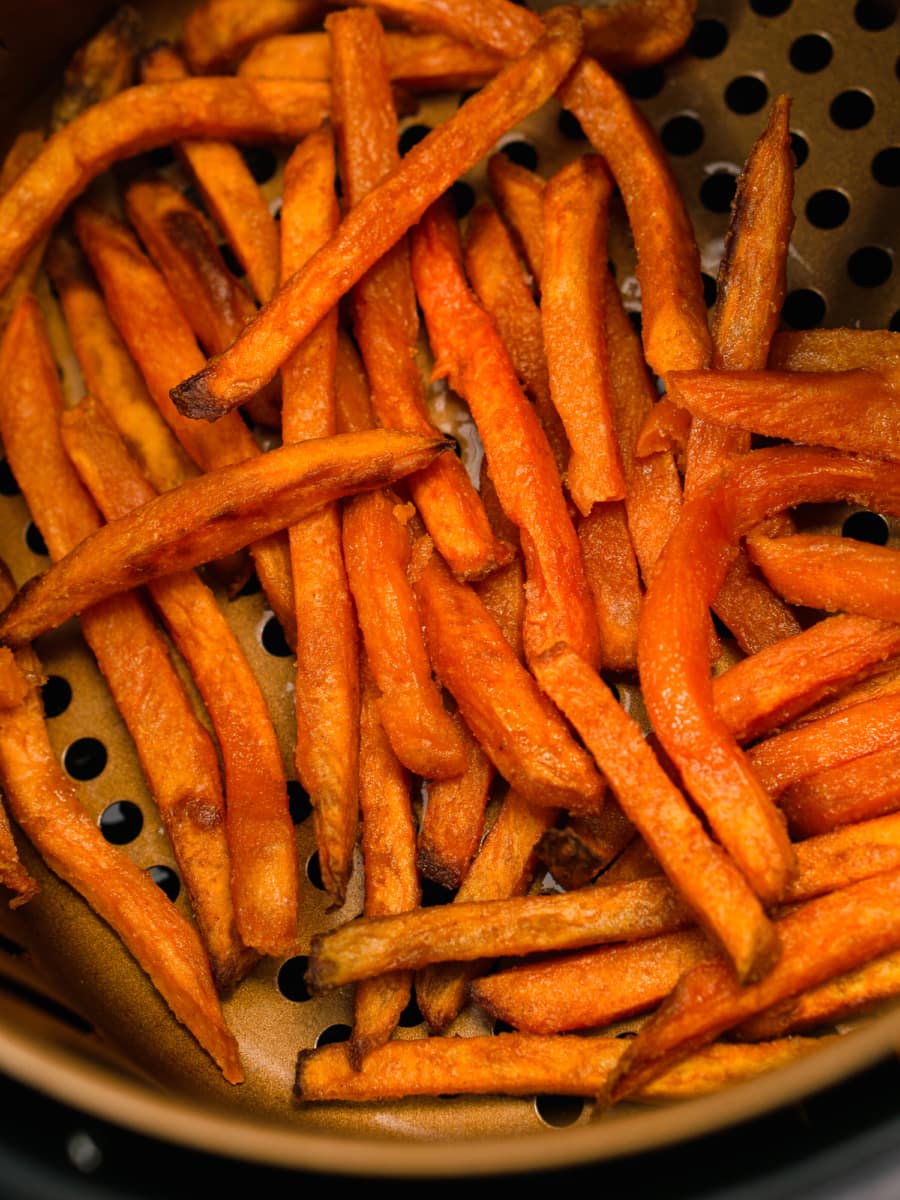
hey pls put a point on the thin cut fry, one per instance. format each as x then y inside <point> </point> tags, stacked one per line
<point>854,791</point>
<point>835,350</point>
<point>518,728</point>
<point>208,517</point>
<point>139,119</point>
<point>832,573</point>
<point>100,68</point>
<point>579,851</point>
<point>380,220</point>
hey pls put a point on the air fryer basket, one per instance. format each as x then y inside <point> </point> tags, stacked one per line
<point>77,1017</point>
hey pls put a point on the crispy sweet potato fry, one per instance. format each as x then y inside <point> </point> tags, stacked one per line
<point>46,806</point>
<point>381,218</point>
<point>109,372</point>
<point>217,33</point>
<point>101,67</point>
<point>524,1065</point>
<point>503,867</point>
<point>210,516</point>
<point>835,350</point>
<point>821,939</point>
<point>377,551</point>
<point>464,931</point>
<point>392,885</point>
<point>519,195</point>
<point>128,647</point>
<point>229,190</point>
<point>884,680</point>
<point>263,867</point>
<point>580,850</point>
<point>706,877</point>
<point>518,728</point>
<point>612,574</point>
<point>804,406</point>
<point>326,750</point>
<point>787,757</point>
<point>673,647</point>
<point>422,62</point>
<point>832,573</point>
<point>386,322</point>
<point>573,279</point>
<point>853,791</point>
<point>26,146</point>
<point>140,119</point>
<point>471,354</point>
<point>768,689</point>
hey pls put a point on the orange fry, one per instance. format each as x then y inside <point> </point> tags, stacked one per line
<point>854,791</point>
<point>517,1064</point>
<point>580,850</point>
<point>100,68</point>
<point>229,190</point>
<point>377,551</point>
<point>573,281</point>
<point>835,350</point>
<point>830,572</point>
<point>139,119</point>
<point>471,354</point>
<point>217,33</point>
<point>787,757</point>
<point>326,749</point>
<point>386,321</point>
<point>392,885</point>
<point>772,687</point>
<point>264,872</point>
<point>381,218</point>
<point>707,879</point>
<point>811,407</point>
<point>519,730</point>
<point>612,574</point>
<point>210,516</point>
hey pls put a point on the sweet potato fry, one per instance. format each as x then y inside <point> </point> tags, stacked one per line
<point>263,867</point>
<point>471,354</point>
<point>453,821</point>
<point>386,322</point>
<point>854,791</point>
<point>787,757</point>
<point>573,279</point>
<point>25,146</point>
<point>352,395</point>
<point>377,551</point>
<point>673,651</point>
<point>579,851</point>
<point>503,591</point>
<point>884,680</point>
<point>129,649</point>
<point>612,574</point>
<point>464,931</point>
<point>504,866</point>
<point>326,749</point>
<point>769,689</point>
<point>830,572</point>
<point>518,728</point>
<point>422,62</point>
<point>804,406</point>
<point>519,195</point>
<point>820,939</point>
<point>217,33</point>
<point>208,517</point>
<point>163,345</point>
<point>140,119</point>
<point>835,350</point>
<point>705,877</point>
<point>46,806</point>
<point>392,885</point>
<point>496,275</point>
<point>109,372</point>
<point>230,192</point>
<point>515,1064</point>
<point>380,220</point>
<point>103,66</point>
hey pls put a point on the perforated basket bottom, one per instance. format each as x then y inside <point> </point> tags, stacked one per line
<point>79,1018</point>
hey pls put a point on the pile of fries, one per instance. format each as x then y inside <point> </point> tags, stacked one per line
<point>733,873</point>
